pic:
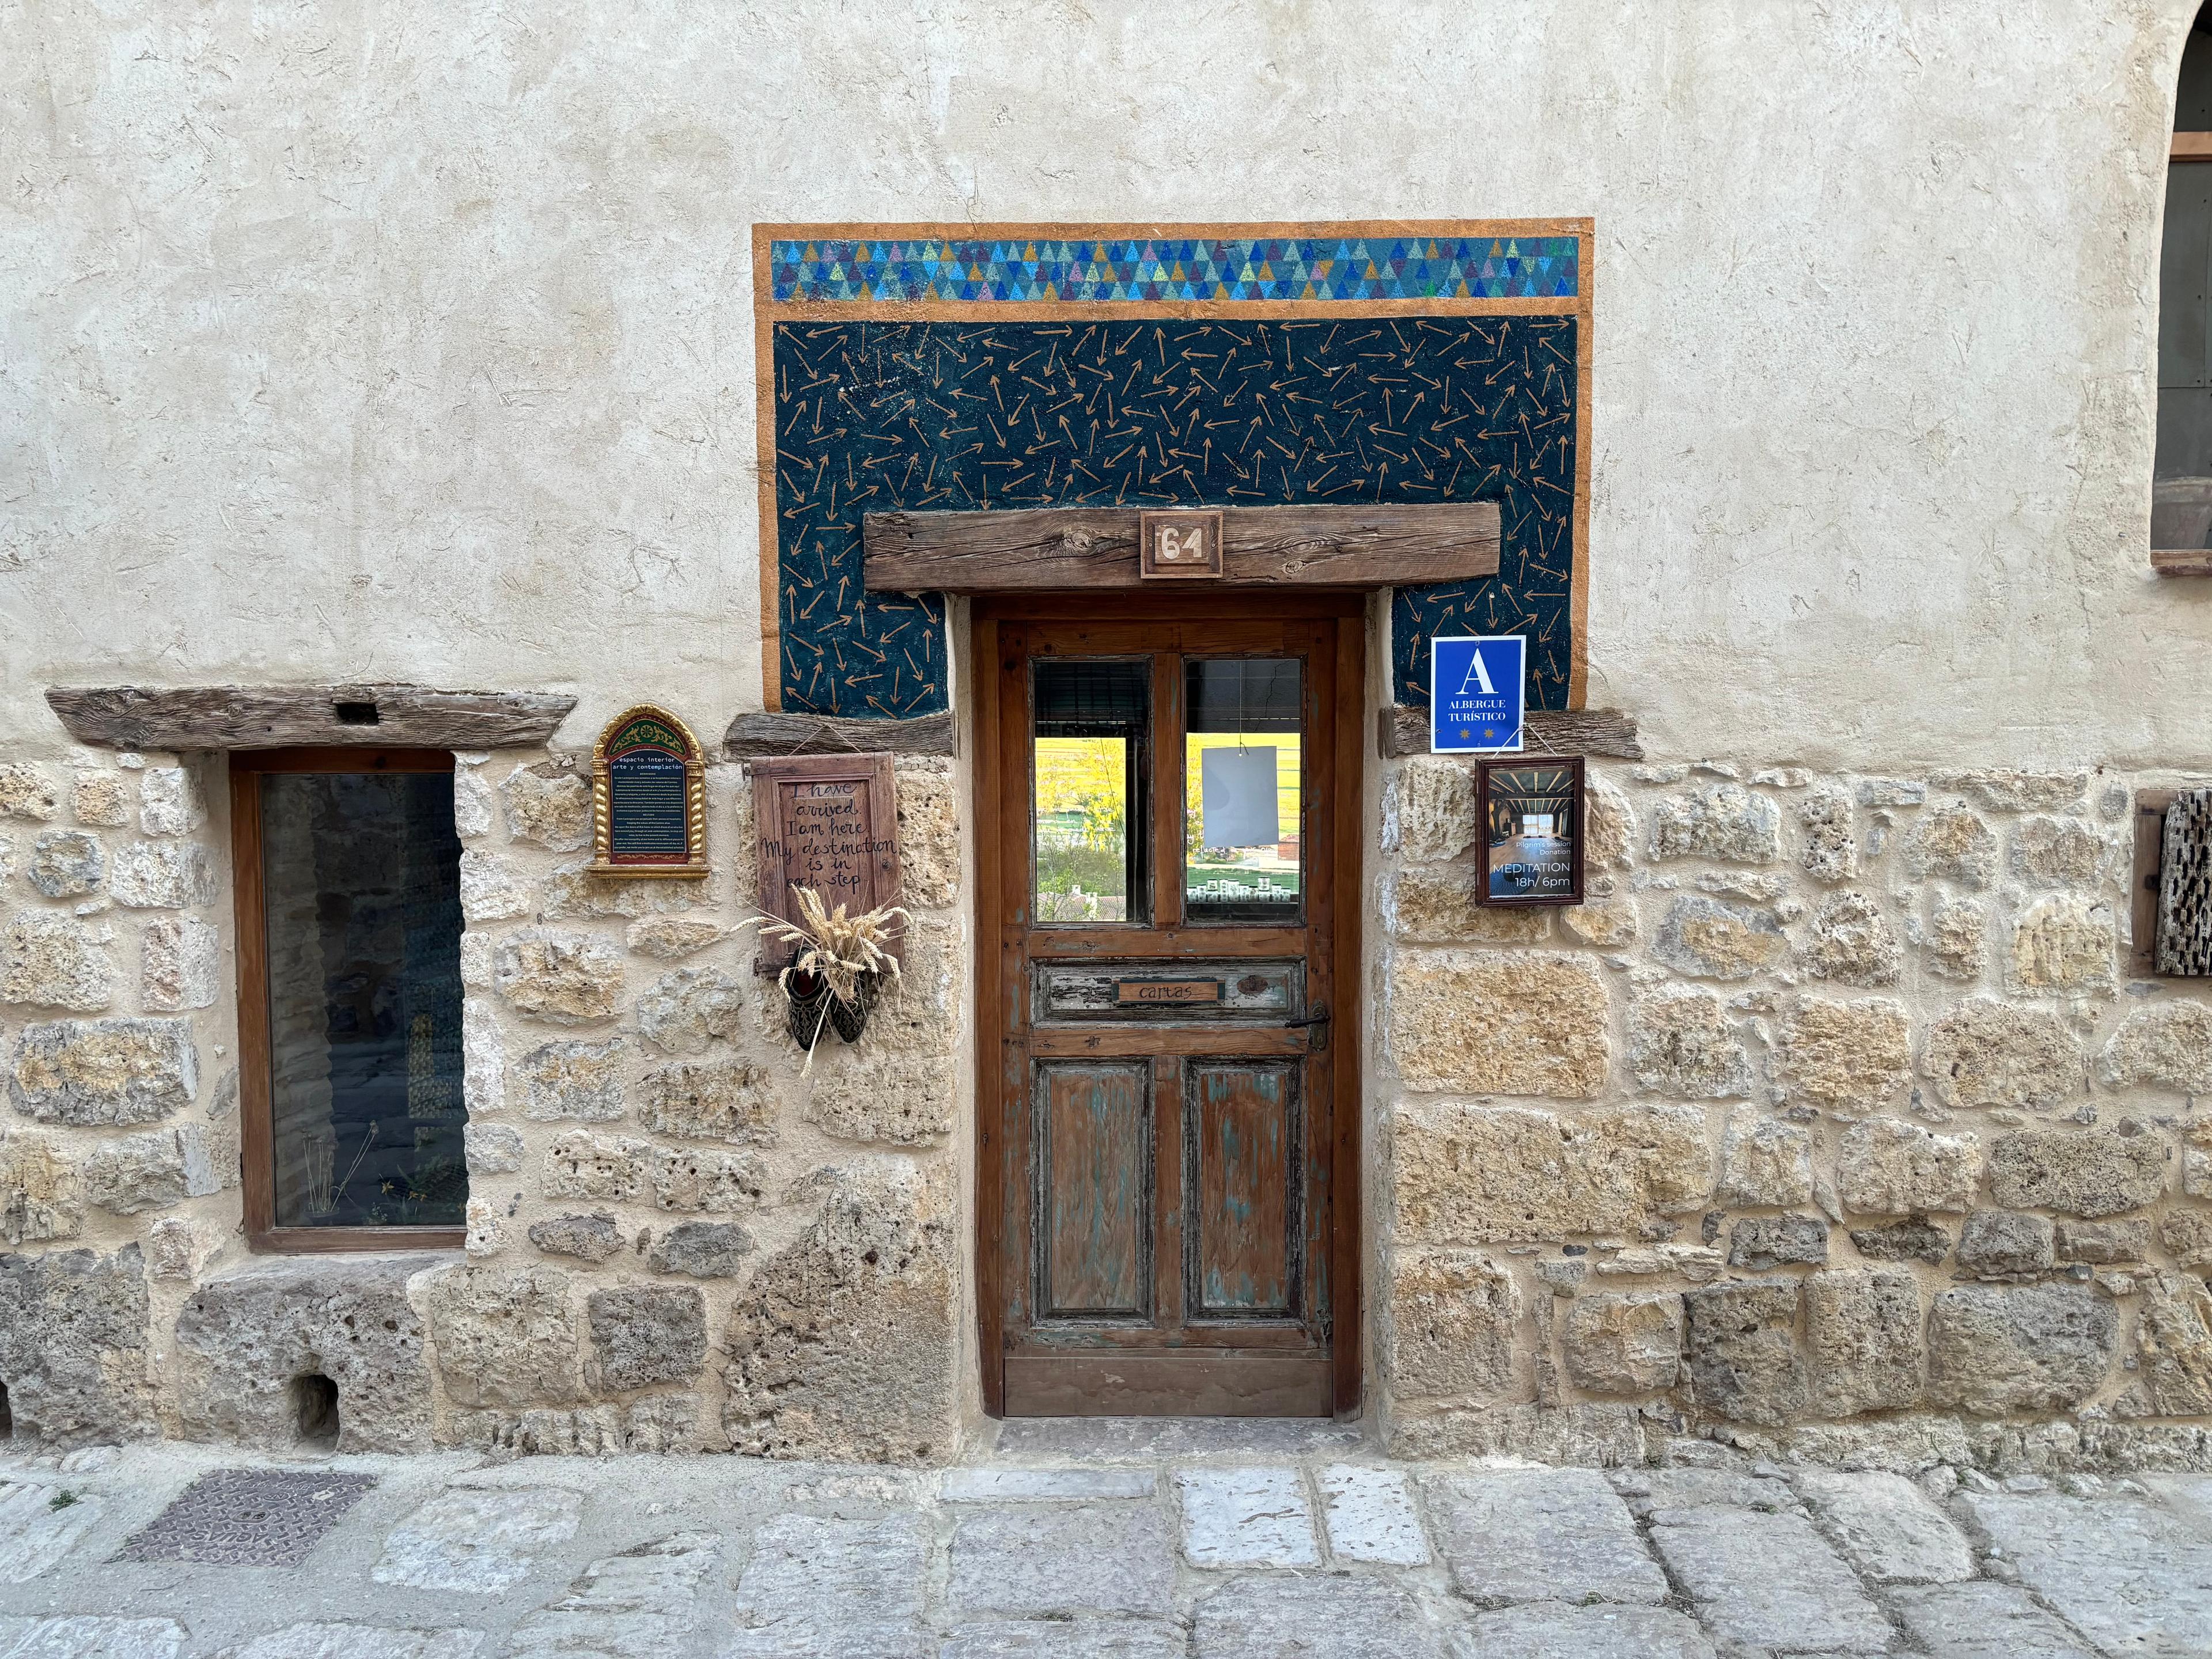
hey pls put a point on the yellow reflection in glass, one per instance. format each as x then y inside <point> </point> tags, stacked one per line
<point>1082,828</point>
<point>1245,856</point>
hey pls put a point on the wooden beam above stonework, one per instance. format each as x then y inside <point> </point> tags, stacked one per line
<point>172,718</point>
<point>1055,549</point>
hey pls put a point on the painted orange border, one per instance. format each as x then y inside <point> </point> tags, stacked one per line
<point>768,311</point>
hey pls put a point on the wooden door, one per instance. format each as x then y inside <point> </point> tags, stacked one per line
<point>1167,1125</point>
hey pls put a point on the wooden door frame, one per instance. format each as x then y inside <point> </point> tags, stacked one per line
<point>998,993</point>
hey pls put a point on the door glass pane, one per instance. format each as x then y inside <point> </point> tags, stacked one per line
<point>1243,773</point>
<point>1091,721</point>
<point>360,874</point>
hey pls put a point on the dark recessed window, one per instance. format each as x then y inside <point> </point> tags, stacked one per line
<point>2181,499</point>
<point>350,953</point>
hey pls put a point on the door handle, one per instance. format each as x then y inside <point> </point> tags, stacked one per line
<point>1317,1021</point>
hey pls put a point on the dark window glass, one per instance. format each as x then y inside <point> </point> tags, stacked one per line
<point>1092,718</point>
<point>2181,498</point>
<point>1243,771</point>
<point>361,875</point>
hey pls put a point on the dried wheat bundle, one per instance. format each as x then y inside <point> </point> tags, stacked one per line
<point>836,947</point>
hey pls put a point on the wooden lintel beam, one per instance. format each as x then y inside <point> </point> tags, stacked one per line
<point>2182,561</point>
<point>378,716</point>
<point>1055,549</point>
<point>759,736</point>
<point>1404,731</point>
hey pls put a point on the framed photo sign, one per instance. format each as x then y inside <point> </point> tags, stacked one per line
<point>828,822</point>
<point>1532,830</point>
<point>648,797</point>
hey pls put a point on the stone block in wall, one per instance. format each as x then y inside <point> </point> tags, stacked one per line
<point>2104,1243</point>
<point>561,978</point>
<point>1607,920</point>
<point>2056,852</point>
<point>2186,1234</point>
<point>1681,1041</point>
<point>1609,827</point>
<point>100,800</point>
<point>502,1336</point>
<point>549,805</point>
<point>1995,1350</point>
<point>652,1424</point>
<point>581,1164</point>
<point>471,801</point>
<point>1986,1053</point>
<point>73,1334</point>
<point>41,1196</point>
<point>491,1148</point>
<point>1497,1024</point>
<point>1721,821</point>
<point>1623,1342</point>
<point>1598,1434</point>
<point>1760,1243</point>
<point>49,961</point>
<point>1853,944</point>
<point>180,965</point>
<point>176,1250</point>
<point>245,1336</point>
<point>685,1011</point>
<point>687,1178</point>
<point>164,1167</point>
<point>1449,1323</point>
<point>1863,1346</point>
<point>26,792</point>
<point>90,1072</point>
<point>722,1100</point>
<point>1712,938</point>
<point>1885,1166</point>
<point>929,836</point>
<point>2005,789</point>
<point>669,938</point>
<point>1830,851</point>
<point>844,1345</point>
<point>1955,843</point>
<point>593,1237</point>
<point>2173,1344</point>
<point>490,888</point>
<point>573,893</point>
<point>1955,944</point>
<point>1764,1162</point>
<point>1917,1240</point>
<point>1740,1344</point>
<point>2168,1045</point>
<point>2063,943</point>
<point>646,1334</point>
<point>1479,1175</point>
<point>2007,1244</point>
<point>66,864</point>
<point>169,801</point>
<point>882,1099</point>
<point>1846,1053</point>
<point>574,1080</point>
<point>624,1170</point>
<point>483,1057</point>
<point>1442,904</point>
<point>1428,809</point>
<point>2079,1171</point>
<point>162,875</point>
<point>704,1249</point>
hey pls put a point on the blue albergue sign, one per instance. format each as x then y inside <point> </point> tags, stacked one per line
<point>1477,694</point>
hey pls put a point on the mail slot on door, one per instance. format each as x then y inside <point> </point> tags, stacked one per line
<point>1259,992</point>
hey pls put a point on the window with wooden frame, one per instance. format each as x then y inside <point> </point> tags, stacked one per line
<point>347,879</point>
<point>2181,489</point>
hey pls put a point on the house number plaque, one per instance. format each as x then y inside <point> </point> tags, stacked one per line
<point>830,823</point>
<point>648,797</point>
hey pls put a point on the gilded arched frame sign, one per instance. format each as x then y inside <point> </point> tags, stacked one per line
<point>648,797</point>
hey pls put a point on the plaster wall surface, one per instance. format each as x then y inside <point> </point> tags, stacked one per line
<point>408,342</point>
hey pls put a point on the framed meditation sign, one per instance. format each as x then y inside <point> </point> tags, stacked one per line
<point>830,823</point>
<point>1532,813</point>
<point>648,797</point>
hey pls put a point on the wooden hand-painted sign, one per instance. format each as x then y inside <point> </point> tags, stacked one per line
<point>648,797</point>
<point>830,823</point>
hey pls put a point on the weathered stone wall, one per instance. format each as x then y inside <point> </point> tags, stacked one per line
<point>1830,1119</point>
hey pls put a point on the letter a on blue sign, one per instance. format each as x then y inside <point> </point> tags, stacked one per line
<point>1476,694</point>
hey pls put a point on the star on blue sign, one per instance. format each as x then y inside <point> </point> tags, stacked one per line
<point>1477,692</point>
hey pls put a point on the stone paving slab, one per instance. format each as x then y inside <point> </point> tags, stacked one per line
<point>1551,1630</point>
<point>1768,1580</point>
<point>1016,1486</point>
<point>2134,1577</point>
<point>1246,1518</point>
<point>1103,1638</point>
<point>95,1637</point>
<point>1888,1528</point>
<point>1173,1439</point>
<point>1054,1559</point>
<point>1276,1616</point>
<point>360,1642</point>
<point>1984,1621</point>
<point>1370,1516</point>
<point>1541,1535</point>
<point>817,1585</point>
<point>478,1539</point>
<point>637,1605</point>
<point>35,1534</point>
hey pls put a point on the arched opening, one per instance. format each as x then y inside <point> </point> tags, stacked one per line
<point>2181,493</point>
<point>315,1411</point>
<point>7,1416</point>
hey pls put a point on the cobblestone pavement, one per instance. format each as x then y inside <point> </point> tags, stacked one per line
<point>1134,1539</point>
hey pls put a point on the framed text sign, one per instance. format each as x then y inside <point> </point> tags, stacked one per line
<point>830,823</point>
<point>648,797</point>
<point>1532,824</point>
